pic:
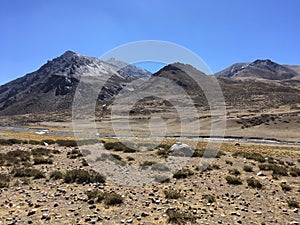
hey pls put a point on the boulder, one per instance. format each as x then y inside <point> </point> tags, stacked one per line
<point>181,149</point>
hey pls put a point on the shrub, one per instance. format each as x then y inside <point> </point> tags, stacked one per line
<point>10,141</point>
<point>67,143</point>
<point>294,172</point>
<point>117,157</point>
<point>118,146</point>
<point>27,172</point>
<point>248,168</point>
<point>34,142</point>
<point>209,198</point>
<point>41,160</point>
<point>252,156</point>
<point>183,173</point>
<point>254,183</point>
<point>177,217</point>
<point>233,180</point>
<point>16,156</point>
<point>129,158</point>
<point>75,153</point>
<point>172,194</point>
<point>4,180</point>
<point>234,172</point>
<point>82,176</point>
<point>84,162</point>
<point>285,187</point>
<point>110,198</point>
<point>40,152</point>
<point>56,174</point>
<point>292,203</point>
<point>277,170</point>
<point>164,146</point>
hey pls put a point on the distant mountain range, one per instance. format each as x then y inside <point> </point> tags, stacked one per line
<point>256,85</point>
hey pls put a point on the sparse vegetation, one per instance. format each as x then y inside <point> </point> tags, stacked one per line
<point>27,172</point>
<point>40,152</point>
<point>67,143</point>
<point>209,198</point>
<point>118,146</point>
<point>248,168</point>
<point>172,194</point>
<point>55,175</point>
<point>108,198</point>
<point>277,169</point>
<point>252,156</point>
<point>285,187</point>
<point>163,153</point>
<point>292,203</point>
<point>229,162</point>
<point>83,176</point>
<point>233,180</point>
<point>208,153</point>
<point>183,173</point>
<point>234,172</point>
<point>254,183</point>
<point>147,163</point>
<point>177,217</point>
<point>295,172</point>
<point>4,180</point>
<point>41,160</point>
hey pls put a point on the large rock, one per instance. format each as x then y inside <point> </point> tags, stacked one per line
<point>181,149</point>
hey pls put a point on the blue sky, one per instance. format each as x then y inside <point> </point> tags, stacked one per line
<point>221,32</point>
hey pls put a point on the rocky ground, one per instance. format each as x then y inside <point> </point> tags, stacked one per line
<point>55,185</point>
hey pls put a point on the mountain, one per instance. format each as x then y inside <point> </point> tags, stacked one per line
<point>52,86</point>
<point>259,69</point>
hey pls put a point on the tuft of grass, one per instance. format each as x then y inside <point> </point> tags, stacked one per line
<point>129,158</point>
<point>11,142</point>
<point>83,176</point>
<point>233,180</point>
<point>252,156</point>
<point>16,157</point>
<point>248,168</point>
<point>147,163</point>
<point>183,173</point>
<point>119,147</point>
<point>254,183</point>
<point>285,187</point>
<point>75,153</point>
<point>56,175</point>
<point>163,153</point>
<point>208,153</point>
<point>40,152</point>
<point>172,194</point>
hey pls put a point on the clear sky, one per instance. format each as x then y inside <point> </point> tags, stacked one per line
<point>221,32</point>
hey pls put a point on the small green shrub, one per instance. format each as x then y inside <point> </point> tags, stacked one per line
<point>233,180</point>
<point>254,183</point>
<point>248,168</point>
<point>108,198</point>
<point>183,173</point>
<point>172,194</point>
<point>56,175</point>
